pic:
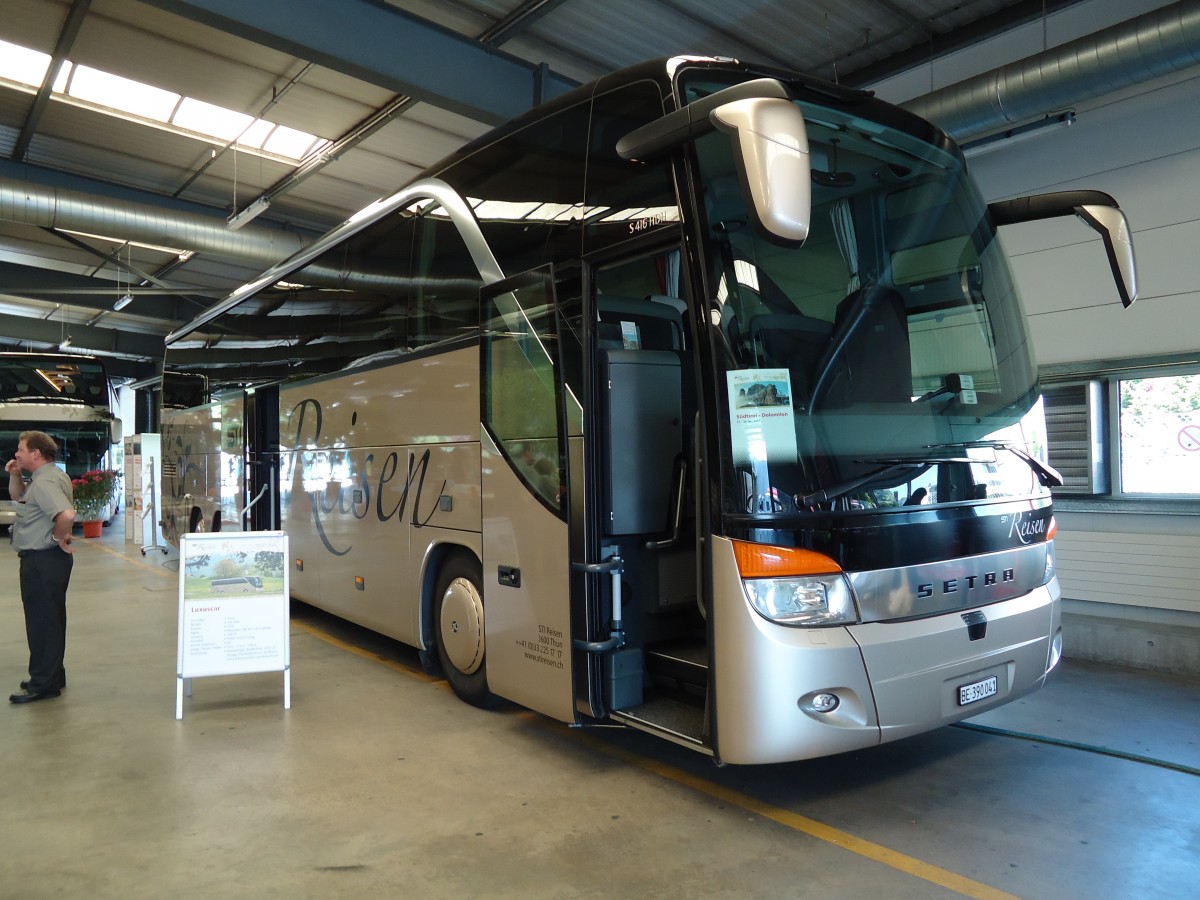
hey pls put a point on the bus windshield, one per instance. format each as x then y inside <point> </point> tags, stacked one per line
<point>884,362</point>
<point>50,378</point>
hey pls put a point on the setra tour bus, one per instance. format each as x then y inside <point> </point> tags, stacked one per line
<point>697,400</point>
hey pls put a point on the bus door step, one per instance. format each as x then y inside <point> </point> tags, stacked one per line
<point>680,670</point>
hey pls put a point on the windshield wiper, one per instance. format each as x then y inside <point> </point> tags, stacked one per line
<point>886,467</point>
<point>1047,475</point>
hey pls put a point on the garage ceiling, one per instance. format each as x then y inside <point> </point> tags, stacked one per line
<point>362,93</point>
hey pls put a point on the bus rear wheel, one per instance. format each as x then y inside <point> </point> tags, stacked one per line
<point>458,618</point>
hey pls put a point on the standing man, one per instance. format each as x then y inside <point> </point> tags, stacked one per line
<point>41,536</point>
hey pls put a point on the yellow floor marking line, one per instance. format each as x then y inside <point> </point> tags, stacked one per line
<point>868,849</point>
<point>877,852</point>
<point>144,563</point>
<point>365,654</point>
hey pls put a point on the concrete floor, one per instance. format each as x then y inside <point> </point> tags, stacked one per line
<point>379,782</point>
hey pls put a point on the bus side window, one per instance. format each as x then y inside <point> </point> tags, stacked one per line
<point>445,295</point>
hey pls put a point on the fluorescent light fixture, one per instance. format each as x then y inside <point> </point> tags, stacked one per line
<point>123,302</point>
<point>1003,139</point>
<point>257,208</point>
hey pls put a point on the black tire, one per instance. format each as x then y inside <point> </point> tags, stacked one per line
<point>194,520</point>
<point>458,624</point>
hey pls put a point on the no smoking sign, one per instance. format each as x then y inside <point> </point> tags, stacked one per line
<point>1189,437</point>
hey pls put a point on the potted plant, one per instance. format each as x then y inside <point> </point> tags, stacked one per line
<point>91,493</point>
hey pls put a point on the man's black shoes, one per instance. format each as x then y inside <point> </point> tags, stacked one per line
<point>30,698</point>
<point>25,685</point>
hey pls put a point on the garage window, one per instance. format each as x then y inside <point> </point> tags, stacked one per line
<point>1159,435</point>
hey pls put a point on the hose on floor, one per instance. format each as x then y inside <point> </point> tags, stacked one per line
<point>1075,745</point>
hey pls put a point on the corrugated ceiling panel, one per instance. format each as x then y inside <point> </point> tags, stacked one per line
<point>34,23</point>
<point>371,171</point>
<point>412,143</point>
<point>445,121</point>
<point>8,140</point>
<point>38,244</point>
<point>173,65</point>
<point>117,166</point>
<point>334,196</point>
<point>14,106</point>
<point>344,88</point>
<point>318,112</point>
<point>88,132</point>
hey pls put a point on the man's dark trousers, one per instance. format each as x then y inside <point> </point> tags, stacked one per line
<point>45,575</point>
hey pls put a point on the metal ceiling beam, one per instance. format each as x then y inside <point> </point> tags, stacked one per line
<point>115,260</point>
<point>515,22</point>
<point>66,40</point>
<point>50,286</point>
<point>386,46</point>
<point>84,338</point>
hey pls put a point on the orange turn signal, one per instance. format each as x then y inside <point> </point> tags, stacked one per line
<point>766,561</point>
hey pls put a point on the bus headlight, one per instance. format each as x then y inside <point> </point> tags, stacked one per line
<point>1049,573</point>
<point>807,600</point>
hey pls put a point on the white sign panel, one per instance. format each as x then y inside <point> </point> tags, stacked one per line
<point>233,607</point>
<point>760,412</point>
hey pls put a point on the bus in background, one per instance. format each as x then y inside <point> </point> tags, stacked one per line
<point>698,400</point>
<point>67,397</point>
<point>237,584</point>
<point>204,455</point>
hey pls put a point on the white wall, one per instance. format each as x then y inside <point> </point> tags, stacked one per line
<point>1143,147</point>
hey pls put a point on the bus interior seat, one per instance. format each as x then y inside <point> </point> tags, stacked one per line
<point>658,326</point>
<point>875,365</point>
<point>795,342</point>
<point>609,336</point>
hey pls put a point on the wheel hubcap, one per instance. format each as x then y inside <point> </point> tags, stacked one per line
<point>462,625</point>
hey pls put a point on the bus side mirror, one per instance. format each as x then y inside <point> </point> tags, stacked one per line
<point>1098,210</point>
<point>770,146</point>
<point>114,426</point>
<point>1114,230</point>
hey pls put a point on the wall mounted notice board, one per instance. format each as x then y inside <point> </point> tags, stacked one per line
<point>233,607</point>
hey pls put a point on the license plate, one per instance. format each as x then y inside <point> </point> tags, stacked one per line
<point>978,690</point>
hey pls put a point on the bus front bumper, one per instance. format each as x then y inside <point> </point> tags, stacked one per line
<point>890,679</point>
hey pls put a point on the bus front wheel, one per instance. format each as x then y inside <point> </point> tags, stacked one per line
<point>458,617</point>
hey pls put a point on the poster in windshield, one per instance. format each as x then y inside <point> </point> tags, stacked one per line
<point>761,416</point>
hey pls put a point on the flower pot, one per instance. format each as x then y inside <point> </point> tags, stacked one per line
<point>93,529</point>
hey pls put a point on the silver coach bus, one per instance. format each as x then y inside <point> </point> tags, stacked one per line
<point>698,400</point>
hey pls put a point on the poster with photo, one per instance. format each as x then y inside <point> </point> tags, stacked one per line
<point>762,420</point>
<point>233,607</point>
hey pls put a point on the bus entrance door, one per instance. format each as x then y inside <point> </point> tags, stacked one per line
<point>526,576</point>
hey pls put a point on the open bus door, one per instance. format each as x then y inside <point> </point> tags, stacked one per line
<point>262,459</point>
<point>527,415</point>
